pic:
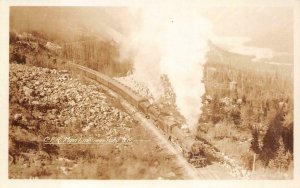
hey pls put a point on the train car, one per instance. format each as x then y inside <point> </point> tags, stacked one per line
<point>154,112</point>
<point>92,74</point>
<point>123,90</point>
<point>127,93</point>
<point>102,79</point>
<point>144,105</point>
<point>167,123</point>
<point>115,86</point>
<point>134,97</point>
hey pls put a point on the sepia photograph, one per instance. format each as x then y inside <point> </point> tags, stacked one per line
<point>160,92</point>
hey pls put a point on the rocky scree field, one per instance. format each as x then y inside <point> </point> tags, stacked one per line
<point>51,103</point>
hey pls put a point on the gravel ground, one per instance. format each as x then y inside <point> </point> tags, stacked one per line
<point>64,101</point>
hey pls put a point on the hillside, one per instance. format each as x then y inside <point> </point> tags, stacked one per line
<point>50,105</point>
<point>248,109</point>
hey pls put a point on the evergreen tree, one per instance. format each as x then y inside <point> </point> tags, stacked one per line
<point>271,138</point>
<point>255,143</point>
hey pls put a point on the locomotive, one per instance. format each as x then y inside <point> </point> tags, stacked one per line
<point>195,151</point>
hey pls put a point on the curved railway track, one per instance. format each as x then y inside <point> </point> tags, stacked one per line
<point>131,101</point>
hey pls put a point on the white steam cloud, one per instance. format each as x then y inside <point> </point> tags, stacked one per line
<point>171,41</point>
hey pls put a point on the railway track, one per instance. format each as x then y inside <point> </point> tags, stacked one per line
<point>214,171</point>
<point>130,100</point>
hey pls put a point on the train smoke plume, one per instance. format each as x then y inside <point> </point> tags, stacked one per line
<point>171,41</point>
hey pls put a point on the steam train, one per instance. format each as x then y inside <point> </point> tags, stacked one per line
<point>195,151</point>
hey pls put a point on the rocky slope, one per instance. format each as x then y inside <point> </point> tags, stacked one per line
<point>48,103</point>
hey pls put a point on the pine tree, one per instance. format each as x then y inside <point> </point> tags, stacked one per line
<point>255,143</point>
<point>271,138</point>
<point>283,158</point>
